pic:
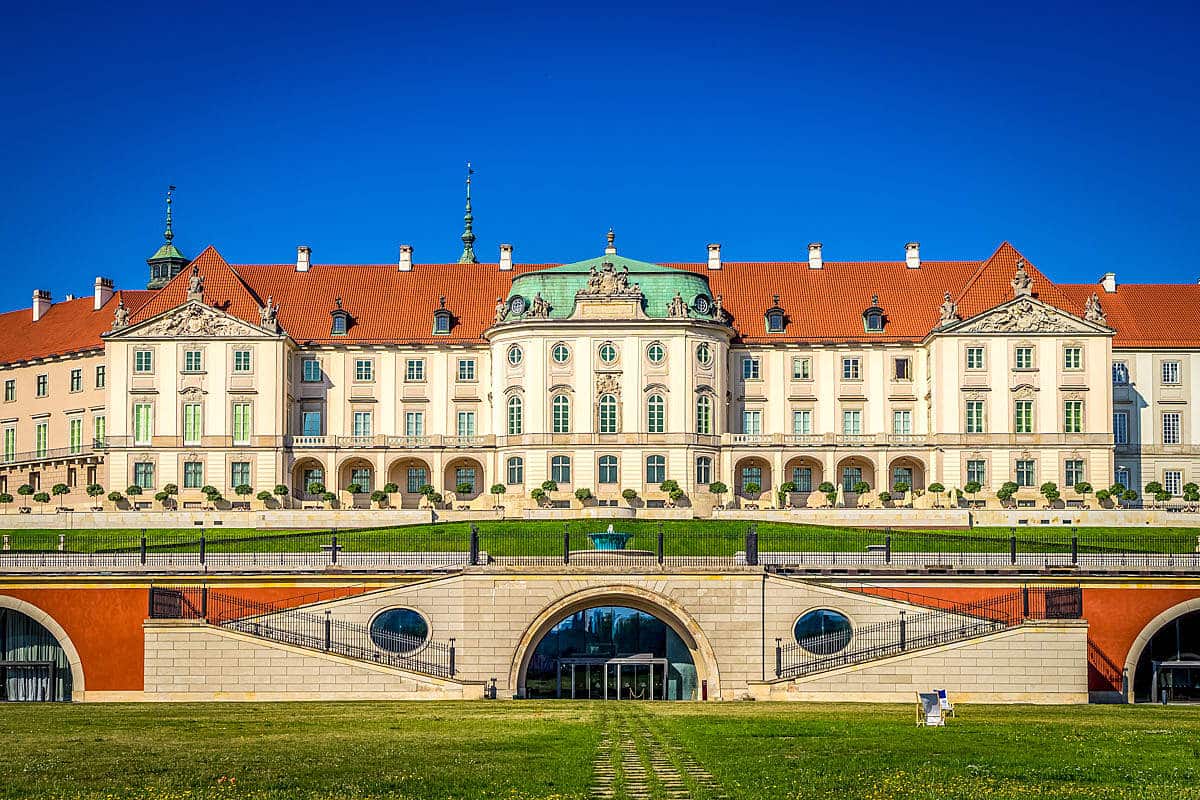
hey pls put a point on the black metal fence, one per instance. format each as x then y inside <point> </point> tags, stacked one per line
<point>454,546</point>
<point>950,622</point>
<point>282,622</point>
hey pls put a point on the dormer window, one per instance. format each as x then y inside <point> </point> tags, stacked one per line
<point>442,318</point>
<point>873,317</point>
<point>776,318</point>
<point>341,320</point>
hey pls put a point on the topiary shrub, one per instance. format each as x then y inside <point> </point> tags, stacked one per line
<point>629,494</point>
<point>354,488</point>
<point>549,486</point>
<point>464,488</point>
<point>583,494</point>
<point>264,496</point>
<point>379,496</point>
<point>751,489</point>
<point>133,490</point>
<point>316,488</point>
<point>391,488</point>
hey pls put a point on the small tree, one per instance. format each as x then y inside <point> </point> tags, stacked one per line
<point>428,492</point>
<point>464,488</point>
<point>5,500</point>
<point>379,497</point>
<point>316,488</point>
<point>436,499</point>
<point>827,488</point>
<point>972,488</point>
<point>549,486</point>
<point>1006,491</point>
<point>25,490</point>
<point>162,496</point>
<point>1117,489</point>
<point>497,490</point>
<point>1049,490</point>
<point>41,498</point>
<point>1103,495</point>
<point>133,490</point>
<point>676,495</point>
<point>115,497</point>
<point>538,494</point>
<point>719,489</point>
<point>629,494</point>
<point>264,496</point>
<point>391,488</point>
<point>1083,488</point>
<point>785,489</point>
<point>245,490</point>
<point>751,490</point>
<point>901,487</point>
<point>281,491</point>
<point>1128,496</point>
<point>328,497</point>
<point>861,487</point>
<point>95,490</point>
<point>1154,489</point>
<point>171,489</point>
<point>1191,493</point>
<point>583,494</point>
<point>831,497</point>
<point>354,488</point>
<point>937,489</point>
<point>1162,496</point>
<point>59,490</point>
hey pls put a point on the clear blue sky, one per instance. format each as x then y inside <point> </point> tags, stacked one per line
<point>1069,130</point>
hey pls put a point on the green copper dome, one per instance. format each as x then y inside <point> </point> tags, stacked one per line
<point>658,286</point>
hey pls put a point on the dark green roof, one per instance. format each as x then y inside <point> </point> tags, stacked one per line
<point>167,251</point>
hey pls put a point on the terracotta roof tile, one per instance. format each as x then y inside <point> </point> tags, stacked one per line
<point>1146,315</point>
<point>68,327</point>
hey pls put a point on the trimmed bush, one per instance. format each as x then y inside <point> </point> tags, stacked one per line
<point>391,488</point>
<point>583,494</point>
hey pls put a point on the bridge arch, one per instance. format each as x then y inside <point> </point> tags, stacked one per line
<point>74,662</point>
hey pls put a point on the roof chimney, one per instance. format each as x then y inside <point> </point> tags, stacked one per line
<point>104,293</point>
<point>41,303</point>
<point>1109,282</point>
<point>912,255</point>
<point>505,257</point>
<point>406,258</point>
<point>303,258</point>
<point>814,256</point>
<point>714,256</point>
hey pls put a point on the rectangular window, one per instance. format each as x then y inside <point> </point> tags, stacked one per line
<point>1120,427</point>
<point>851,476</point>
<point>100,376</point>
<point>516,471</point>
<point>1024,358</point>
<point>414,423</point>
<point>241,423</point>
<point>750,369</point>
<point>851,368</point>
<point>1170,373</point>
<point>1173,482</point>
<point>466,369</point>
<point>10,444</point>
<point>464,475</point>
<point>1072,358</point>
<point>1073,471</point>
<point>143,361</point>
<point>802,422</point>
<point>10,390</point>
<point>1123,476</point>
<point>1120,373</point>
<point>1023,416</point>
<point>466,423</point>
<point>902,422</point>
<point>76,380</point>
<point>801,369</point>
<point>43,386</point>
<point>703,471</point>
<point>1073,416</point>
<point>143,428</point>
<point>852,423</point>
<point>977,471</point>
<point>241,360</point>
<point>560,469</point>
<point>193,474</point>
<point>75,435</point>
<point>903,369</point>
<point>41,438</point>
<point>310,423</point>
<point>192,423</point>
<point>311,370</point>
<point>143,474</point>
<point>1172,431</point>
<point>752,422</point>
<point>974,358</point>
<point>98,431</point>
<point>1026,473</point>
<point>414,479</point>
<point>239,474</point>
<point>362,423</point>
<point>975,416</point>
<point>802,477</point>
<point>364,370</point>
<point>193,361</point>
<point>414,369</point>
<point>608,469</point>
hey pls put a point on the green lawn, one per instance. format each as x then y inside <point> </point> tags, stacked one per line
<point>520,750</point>
<point>691,537</point>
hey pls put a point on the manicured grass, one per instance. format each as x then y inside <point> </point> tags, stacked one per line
<point>517,750</point>
<point>682,537</point>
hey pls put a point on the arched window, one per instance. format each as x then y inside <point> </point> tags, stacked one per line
<point>560,469</point>
<point>514,416</point>
<point>608,469</point>
<point>656,470</point>
<point>704,414</point>
<point>561,413</point>
<point>703,471</point>
<point>608,413</point>
<point>516,471</point>
<point>656,414</point>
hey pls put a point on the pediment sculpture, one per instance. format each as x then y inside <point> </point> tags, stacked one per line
<point>948,311</point>
<point>538,307</point>
<point>196,319</point>
<point>1022,284</point>
<point>120,316</point>
<point>1093,311</point>
<point>1024,316</point>
<point>269,315</point>
<point>608,281</point>
<point>677,306</point>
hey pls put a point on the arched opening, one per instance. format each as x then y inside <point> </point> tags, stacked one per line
<point>35,664</point>
<point>463,479</point>
<point>306,472</point>
<point>358,473</point>
<point>409,475</point>
<point>1168,664</point>
<point>749,473</point>
<point>850,472</point>
<point>806,474</point>
<point>905,470</point>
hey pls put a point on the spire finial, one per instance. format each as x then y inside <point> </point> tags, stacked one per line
<point>611,248</point>
<point>468,235</point>
<point>169,233</point>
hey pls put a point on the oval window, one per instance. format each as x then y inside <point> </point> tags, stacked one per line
<point>561,353</point>
<point>608,352</point>
<point>399,630</point>
<point>823,632</point>
<point>656,353</point>
<point>514,355</point>
<point>704,354</point>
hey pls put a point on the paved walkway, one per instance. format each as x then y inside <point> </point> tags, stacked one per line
<point>638,758</point>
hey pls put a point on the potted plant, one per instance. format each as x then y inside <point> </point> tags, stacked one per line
<point>1154,489</point>
<point>244,490</point>
<point>116,498</point>
<point>860,488</point>
<point>972,488</point>
<point>25,490</point>
<point>329,498</point>
<point>282,492</point>
<point>629,495</point>
<point>1128,497</point>
<point>830,491</point>
<point>428,492</point>
<point>6,500</point>
<point>669,487</point>
<point>583,494</point>
<point>885,497</point>
<point>1006,491</point>
<point>538,494</point>
<point>1083,489</point>
<point>676,495</point>
<point>464,488</point>
<point>1191,495</point>
<point>937,489</point>
<point>41,498</point>
<point>133,491</point>
<point>751,491</point>
<point>316,489</point>
<point>95,490</point>
<point>496,491</point>
<point>264,498</point>
<point>379,499</point>
<point>1049,490</point>
<point>719,489</point>
<point>1104,498</point>
<point>60,490</point>
<point>785,494</point>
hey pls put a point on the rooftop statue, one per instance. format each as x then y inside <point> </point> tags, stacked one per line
<point>1093,311</point>
<point>1022,284</point>
<point>949,311</point>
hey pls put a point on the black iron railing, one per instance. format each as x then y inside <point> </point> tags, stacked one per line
<point>1107,671</point>
<point>314,630</point>
<point>918,630</point>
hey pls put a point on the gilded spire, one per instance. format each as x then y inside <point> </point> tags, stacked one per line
<point>468,236</point>
<point>169,233</point>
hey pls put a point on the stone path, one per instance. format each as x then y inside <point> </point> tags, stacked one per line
<point>638,759</point>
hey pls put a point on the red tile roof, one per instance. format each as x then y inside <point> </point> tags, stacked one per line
<point>68,327</point>
<point>1146,315</point>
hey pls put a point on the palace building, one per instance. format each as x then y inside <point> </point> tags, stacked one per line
<point>607,373</point>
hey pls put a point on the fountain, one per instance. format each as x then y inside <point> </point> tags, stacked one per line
<point>609,539</point>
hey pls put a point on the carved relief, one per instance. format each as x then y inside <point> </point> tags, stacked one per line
<point>608,383</point>
<point>1024,316</point>
<point>608,282</point>
<point>196,319</point>
<point>1093,311</point>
